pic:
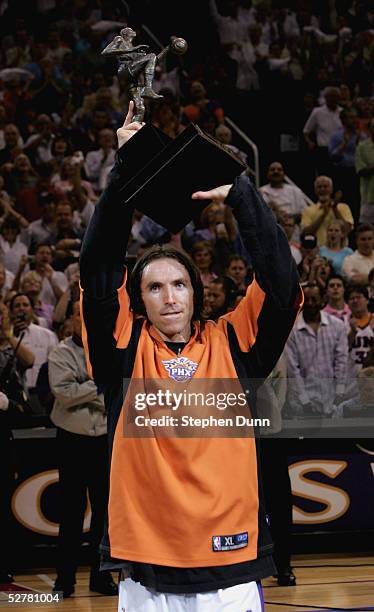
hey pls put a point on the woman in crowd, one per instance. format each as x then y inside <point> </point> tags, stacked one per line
<point>31,285</point>
<point>335,249</point>
<point>11,247</point>
<point>68,178</point>
<point>202,254</point>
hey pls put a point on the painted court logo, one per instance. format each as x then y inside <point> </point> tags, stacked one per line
<point>180,369</point>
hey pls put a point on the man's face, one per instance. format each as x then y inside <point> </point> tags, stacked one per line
<point>167,295</point>
<point>22,307</point>
<point>43,255</point>
<point>11,136</point>
<point>332,98</point>
<point>216,297</point>
<point>106,139</point>
<point>312,301</point>
<point>237,270</point>
<point>100,119</point>
<point>64,217</point>
<point>44,125</point>
<point>358,304</point>
<point>276,173</point>
<point>365,242</point>
<point>323,188</point>
<point>309,254</point>
<point>49,211</point>
<point>203,259</point>
<point>335,289</point>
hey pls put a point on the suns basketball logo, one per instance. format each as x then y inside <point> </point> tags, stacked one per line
<point>180,369</point>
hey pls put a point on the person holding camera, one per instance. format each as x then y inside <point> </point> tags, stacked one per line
<point>15,358</point>
<point>38,339</point>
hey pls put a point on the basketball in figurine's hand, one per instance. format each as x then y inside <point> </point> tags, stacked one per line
<point>178,45</point>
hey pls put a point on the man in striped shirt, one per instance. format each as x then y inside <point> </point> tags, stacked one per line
<point>317,355</point>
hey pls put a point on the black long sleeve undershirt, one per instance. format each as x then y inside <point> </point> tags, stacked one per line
<point>266,242</point>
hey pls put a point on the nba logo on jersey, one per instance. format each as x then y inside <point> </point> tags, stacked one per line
<point>217,543</point>
<point>180,369</point>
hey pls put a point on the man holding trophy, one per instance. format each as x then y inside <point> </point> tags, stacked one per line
<point>186,521</point>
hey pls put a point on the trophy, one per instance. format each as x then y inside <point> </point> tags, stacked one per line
<point>164,171</point>
<point>137,66</point>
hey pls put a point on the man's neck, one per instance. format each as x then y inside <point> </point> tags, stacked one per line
<point>337,304</point>
<point>362,316</point>
<point>277,185</point>
<point>182,336</point>
<point>312,319</point>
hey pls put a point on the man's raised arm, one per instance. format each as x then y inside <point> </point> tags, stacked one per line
<point>264,239</point>
<point>105,242</point>
<point>102,271</point>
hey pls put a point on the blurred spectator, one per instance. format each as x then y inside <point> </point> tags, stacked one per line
<point>31,285</point>
<point>24,359</point>
<point>67,240</point>
<point>357,266</point>
<point>12,140</point>
<point>361,335</point>
<point>365,114</point>
<point>6,281</point>
<point>342,151</point>
<point>70,177</point>
<point>99,163</point>
<point>202,254</point>
<point>221,296</point>
<point>53,283</point>
<point>365,170</point>
<point>27,199</point>
<point>11,247</point>
<point>370,290</point>
<point>37,339</point>
<point>335,249</point>
<point>320,127</point>
<point>336,305</point>
<point>47,90</point>
<point>3,124</point>
<point>288,224</point>
<point>61,148</point>
<point>316,218</point>
<point>20,175</point>
<point>200,107</point>
<point>237,269</point>
<point>39,145</point>
<point>287,197</point>
<point>224,135</point>
<point>43,229</point>
<point>230,28</point>
<point>309,251</point>
<point>317,356</point>
<point>79,415</point>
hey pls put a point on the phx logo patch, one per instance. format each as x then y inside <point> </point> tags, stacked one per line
<point>180,369</point>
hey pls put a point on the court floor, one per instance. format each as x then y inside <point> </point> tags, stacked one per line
<point>338,583</point>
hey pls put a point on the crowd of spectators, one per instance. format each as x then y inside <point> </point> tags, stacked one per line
<point>296,76</point>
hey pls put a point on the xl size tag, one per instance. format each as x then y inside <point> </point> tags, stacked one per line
<point>230,542</point>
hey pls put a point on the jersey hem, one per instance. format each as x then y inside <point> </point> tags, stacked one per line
<point>186,563</point>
